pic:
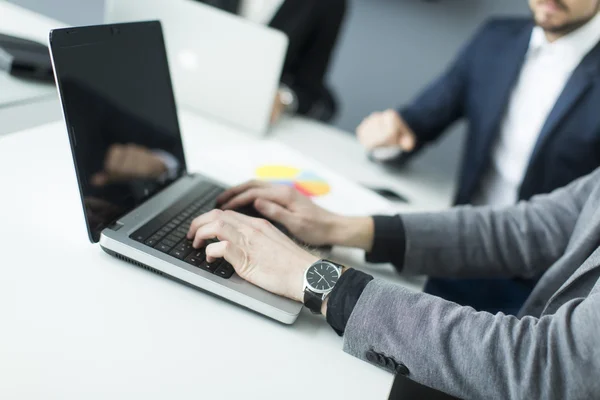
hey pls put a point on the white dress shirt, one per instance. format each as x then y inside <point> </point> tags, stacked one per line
<point>545,72</point>
<point>260,11</point>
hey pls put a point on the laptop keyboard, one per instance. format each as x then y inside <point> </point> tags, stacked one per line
<point>167,232</point>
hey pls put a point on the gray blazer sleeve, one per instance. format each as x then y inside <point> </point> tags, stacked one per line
<point>477,355</point>
<point>523,240</point>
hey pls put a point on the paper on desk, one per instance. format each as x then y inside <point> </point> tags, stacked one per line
<point>239,164</point>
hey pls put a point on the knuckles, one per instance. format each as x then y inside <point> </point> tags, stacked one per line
<point>302,224</point>
<point>215,214</point>
<point>226,246</point>
<point>289,193</point>
<point>226,213</point>
<point>263,224</point>
<point>219,225</point>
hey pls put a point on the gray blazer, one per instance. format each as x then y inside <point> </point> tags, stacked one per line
<point>551,350</point>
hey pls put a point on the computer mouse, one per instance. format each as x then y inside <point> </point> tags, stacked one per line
<point>389,194</point>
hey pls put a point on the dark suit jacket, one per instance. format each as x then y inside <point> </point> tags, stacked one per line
<point>478,86</point>
<point>312,27</point>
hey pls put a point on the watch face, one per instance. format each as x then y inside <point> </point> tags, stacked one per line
<point>322,277</point>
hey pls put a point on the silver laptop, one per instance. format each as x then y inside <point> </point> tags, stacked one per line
<point>137,195</point>
<point>235,64</point>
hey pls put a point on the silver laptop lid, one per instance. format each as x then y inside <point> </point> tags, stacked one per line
<point>223,66</point>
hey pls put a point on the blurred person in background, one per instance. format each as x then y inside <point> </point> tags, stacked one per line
<point>312,27</point>
<point>529,89</point>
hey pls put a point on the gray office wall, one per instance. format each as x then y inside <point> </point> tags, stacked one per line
<point>391,48</point>
<point>388,51</point>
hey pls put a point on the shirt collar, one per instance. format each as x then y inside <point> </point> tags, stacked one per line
<point>576,44</point>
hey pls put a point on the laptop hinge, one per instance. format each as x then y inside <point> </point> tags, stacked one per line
<point>116,226</point>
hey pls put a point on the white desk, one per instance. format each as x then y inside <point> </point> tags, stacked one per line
<point>427,189</point>
<point>30,113</point>
<point>77,323</point>
<point>18,21</point>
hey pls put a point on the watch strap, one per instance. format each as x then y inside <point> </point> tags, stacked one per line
<point>313,301</point>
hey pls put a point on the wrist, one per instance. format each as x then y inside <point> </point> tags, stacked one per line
<point>303,265</point>
<point>324,307</point>
<point>288,99</point>
<point>356,232</point>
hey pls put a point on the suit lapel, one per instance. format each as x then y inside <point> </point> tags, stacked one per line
<point>295,18</point>
<point>292,15</point>
<point>283,14</point>
<point>579,82</point>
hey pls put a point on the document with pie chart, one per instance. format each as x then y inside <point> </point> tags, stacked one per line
<point>280,164</point>
<point>305,181</point>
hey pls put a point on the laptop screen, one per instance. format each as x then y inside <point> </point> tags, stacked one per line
<point>121,116</point>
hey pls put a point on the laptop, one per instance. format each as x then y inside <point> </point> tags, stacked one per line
<point>25,58</point>
<point>205,44</point>
<point>138,197</point>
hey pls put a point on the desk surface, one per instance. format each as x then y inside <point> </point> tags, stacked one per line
<point>18,21</point>
<point>78,323</point>
<point>427,188</point>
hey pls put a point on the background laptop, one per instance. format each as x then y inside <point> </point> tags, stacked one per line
<point>25,58</point>
<point>120,113</point>
<point>203,44</point>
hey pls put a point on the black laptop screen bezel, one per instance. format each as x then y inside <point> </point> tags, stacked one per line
<point>90,35</point>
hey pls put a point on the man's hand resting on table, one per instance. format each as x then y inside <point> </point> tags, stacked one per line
<point>385,129</point>
<point>303,218</point>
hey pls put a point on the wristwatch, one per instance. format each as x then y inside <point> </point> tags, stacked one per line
<point>288,99</point>
<point>319,280</point>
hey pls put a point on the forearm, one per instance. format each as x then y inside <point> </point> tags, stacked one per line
<point>522,241</point>
<point>473,354</point>
<point>518,241</point>
<point>352,232</point>
<point>382,237</point>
